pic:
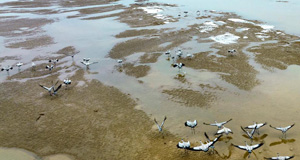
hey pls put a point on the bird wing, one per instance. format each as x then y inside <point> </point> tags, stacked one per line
<point>277,128</point>
<point>156,123</point>
<point>226,121</point>
<point>215,140</point>
<point>250,127</point>
<point>256,146</point>
<point>220,131</point>
<point>83,62</point>
<point>272,158</point>
<point>289,127</point>
<point>213,124</point>
<point>57,88</point>
<point>261,125</point>
<point>206,136</point>
<point>240,147</point>
<point>198,148</point>
<point>46,88</point>
<point>253,131</point>
<point>163,122</point>
<point>245,131</point>
<point>289,157</point>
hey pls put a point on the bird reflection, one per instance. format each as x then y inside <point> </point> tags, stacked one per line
<point>284,141</point>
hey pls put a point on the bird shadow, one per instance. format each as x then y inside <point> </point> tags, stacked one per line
<point>225,139</point>
<point>223,156</point>
<point>256,139</point>
<point>283,141</point>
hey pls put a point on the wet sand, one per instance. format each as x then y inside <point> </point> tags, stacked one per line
<point>108,111</point>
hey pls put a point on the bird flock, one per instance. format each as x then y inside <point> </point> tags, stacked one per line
<point>208,144</point>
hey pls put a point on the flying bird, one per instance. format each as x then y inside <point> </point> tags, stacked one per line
<point>250,135</point>
<point>178,65</point>
<point>224,130</point>
<point>219,125</point>
<point>162,124</point>
<point>191,124</point>
<point>280,157</point>
<point>257,125</point>
<point>88,63</point>
<point>55,90</point>
<point>49,89</point>
<point>53,61</point>
<point>183,145</point>
<point>205,147</point>
<point>213,142</point>
<point>7,68</point>
<point>283,129</point>
<point>248,148</point>
<point>50,67</point>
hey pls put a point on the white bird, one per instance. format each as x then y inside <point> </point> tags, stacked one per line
<point>178,65</point>
<point>53,60</point>
<point>168,53</point>
<point>280,157</point>
<point>231,52</point>
<point>86,59</point>
<point>250,135</point>
<point>219,125</point>
<point>7,68</point>
<point>248,148</point>
<point>162,124</point>
<point>120,61</point>
<point>33,65</point>
<point>213,142</point>
<point>50,67</point>
<point>88,63</point>
<point>19,64</point>
<point>191,124</point>
<point>205,147</point>
<point>179,53</point>
<point>184,145</point>
<point>189,56</point>
<point>224,130</point>
<point>198,13</point>
<point>257,125</point>
<point>49,89</point>
<point>67,82</point>
<point>283,129</point>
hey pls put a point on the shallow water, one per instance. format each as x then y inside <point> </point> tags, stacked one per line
<point>274,99</point>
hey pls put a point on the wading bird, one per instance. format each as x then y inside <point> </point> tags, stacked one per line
<point>189,56</point>
<point>191,124</point>
<point>120,61</point>
<point>248,148</point>
<point>257,125</point>
<point>178,65</point>
<point>219,125</point>
<point>283,129</point>
<point>162,124</point>
<point>33,65</point>
<point>250,135</point>
<point>280,157</point>
<point>179,53</point>
<point>19,64</point>
<point>198,13</point>
<point>224,130</point>
<point>205,147</point>
<point>67,82</point>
